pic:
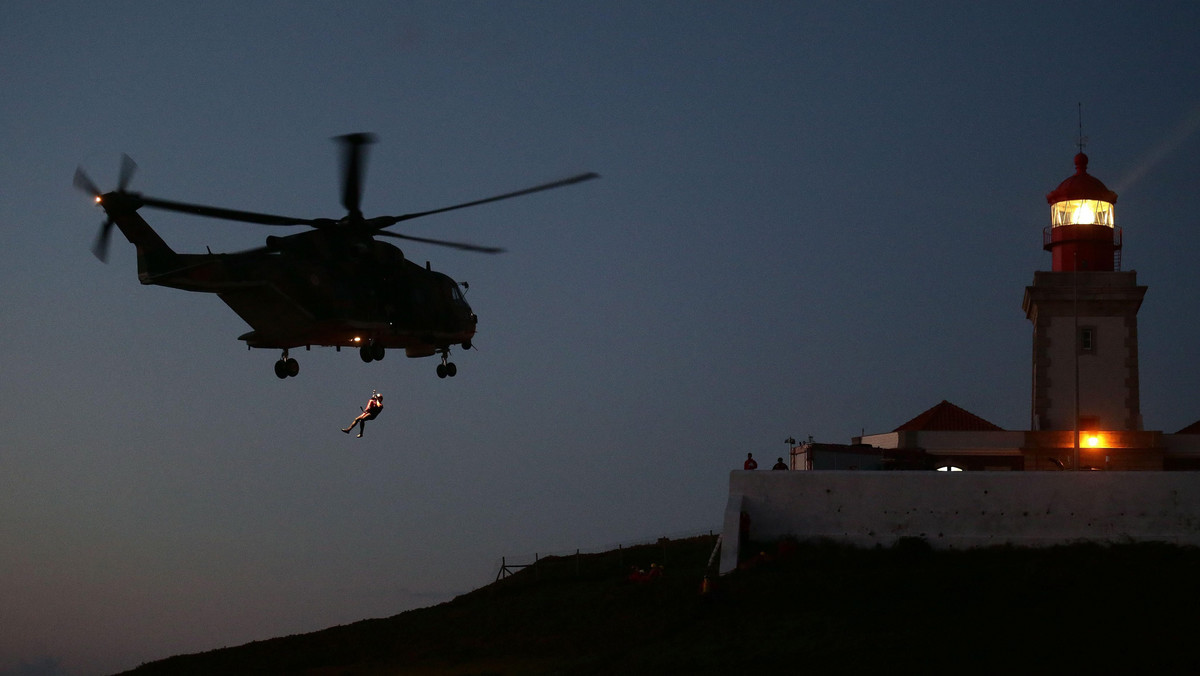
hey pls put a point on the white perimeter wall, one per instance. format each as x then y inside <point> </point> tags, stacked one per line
<point>963,509</point>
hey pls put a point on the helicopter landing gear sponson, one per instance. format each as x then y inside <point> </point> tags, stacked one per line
<point>446,369</point>
<point>370,353</point>
<point>286,367</point>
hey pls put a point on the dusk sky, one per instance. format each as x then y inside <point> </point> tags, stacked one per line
<point>814,218</point>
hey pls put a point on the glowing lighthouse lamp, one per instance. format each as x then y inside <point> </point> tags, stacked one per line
<point>1081,212</point>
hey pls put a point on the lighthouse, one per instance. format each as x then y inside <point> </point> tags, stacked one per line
<point>1084,315</point>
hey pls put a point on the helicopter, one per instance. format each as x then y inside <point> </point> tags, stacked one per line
<point>332,285</point>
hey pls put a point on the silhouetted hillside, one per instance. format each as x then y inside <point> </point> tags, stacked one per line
<point>814,607</point>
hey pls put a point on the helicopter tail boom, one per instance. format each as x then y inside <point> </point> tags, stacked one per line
<point>154,255</point>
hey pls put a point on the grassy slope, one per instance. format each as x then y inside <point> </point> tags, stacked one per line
<point>822,607</point>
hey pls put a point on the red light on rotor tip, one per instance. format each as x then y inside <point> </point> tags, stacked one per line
<point>97,199</point>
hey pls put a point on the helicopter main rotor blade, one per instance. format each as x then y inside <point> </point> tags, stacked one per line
<point>385,221</point>
<point>231,214</point>
<point>441,242</point>
<point>354,160</point>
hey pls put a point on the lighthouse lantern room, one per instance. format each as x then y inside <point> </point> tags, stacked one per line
<point>1082,234</point>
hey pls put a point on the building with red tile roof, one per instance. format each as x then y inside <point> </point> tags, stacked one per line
<point>946,417</point>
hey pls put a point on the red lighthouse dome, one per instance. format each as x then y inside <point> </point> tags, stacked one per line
<point>1082,234</point>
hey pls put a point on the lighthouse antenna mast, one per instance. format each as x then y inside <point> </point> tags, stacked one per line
<point>1082,139</point>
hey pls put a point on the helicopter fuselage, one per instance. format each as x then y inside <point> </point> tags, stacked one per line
<point>313,288</point>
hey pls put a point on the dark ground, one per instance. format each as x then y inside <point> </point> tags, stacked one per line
<point>813,607</point>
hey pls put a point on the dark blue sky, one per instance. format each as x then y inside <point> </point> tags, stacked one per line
<point>814,218</point>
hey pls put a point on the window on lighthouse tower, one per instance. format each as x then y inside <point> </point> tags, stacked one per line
<point>1082,212</point>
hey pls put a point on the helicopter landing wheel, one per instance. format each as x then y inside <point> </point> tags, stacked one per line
<point>446,369</point>
<point>370,353</point>
<point>287,368</point>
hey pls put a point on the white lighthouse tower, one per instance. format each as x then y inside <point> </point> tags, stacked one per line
<point>1084,315</point>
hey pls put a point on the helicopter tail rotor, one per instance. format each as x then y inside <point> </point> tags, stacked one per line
<point>87,185</point>
<point>128,167</point>
<point>103,236</point>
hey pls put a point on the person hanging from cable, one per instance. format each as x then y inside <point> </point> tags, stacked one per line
<point>369,412</point>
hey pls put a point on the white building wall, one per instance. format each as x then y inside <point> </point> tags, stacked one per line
<point>997,442</point>
<point>887,440</point>
<point>963,509</point>
<point>948,442</point>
